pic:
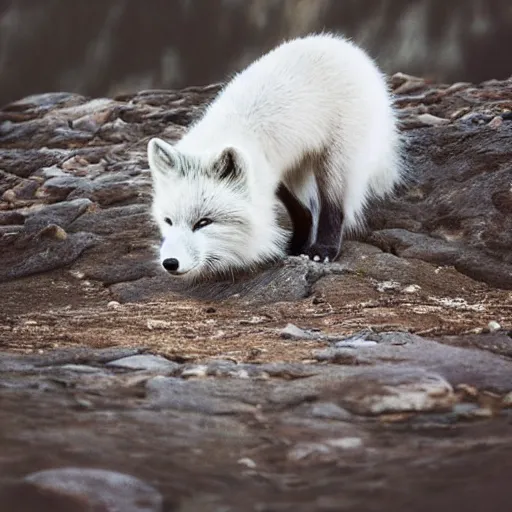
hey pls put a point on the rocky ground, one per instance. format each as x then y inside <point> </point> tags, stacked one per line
<point>380,382</point>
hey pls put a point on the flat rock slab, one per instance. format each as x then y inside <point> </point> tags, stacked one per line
<point>378,382</point>
<point>219,420</point>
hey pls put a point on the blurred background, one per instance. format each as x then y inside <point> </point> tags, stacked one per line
<point>106,47</point>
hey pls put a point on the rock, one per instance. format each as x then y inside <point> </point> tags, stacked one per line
<point>80,368</point>
<point>61,214</point>
<point>292,332</point>
<point>330,411</point>
<point>50,254</point>
<point>482,370</point>
<point>197,396</point>
<point>389,392</point>
<point>287,281</point>
<point>97,489</point>
<point>397,377</point>
<point>144,362</point>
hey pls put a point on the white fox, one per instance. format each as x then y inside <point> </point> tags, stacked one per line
<point>309,124</point>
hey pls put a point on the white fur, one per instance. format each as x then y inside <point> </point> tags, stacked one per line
<point>317,94</point>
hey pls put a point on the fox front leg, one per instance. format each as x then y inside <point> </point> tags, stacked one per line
<point>302,222</point>
<point>327,246</point>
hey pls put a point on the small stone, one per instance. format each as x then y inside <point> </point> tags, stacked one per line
<point>468,390</point>
<point>79,368</point>
<point>330,411</point>
<point>53,231</point>
<point>9,196</point>
<point>507,400</point>
<point>144,362</point>
<point>431,120</point>
<point>346,443</point>
<point>249,463</point>
<point>459,113</point>
<point>411,85</point>
<point>397,392</point>
<point>98,489</point>
<point>412,288</point>
<point>493,326</point>
<point>77,274</point>
<point>292,332</point>
<point>304,450</point>
<point>50,172</point>
<point>158,324</point>
<point>83,403</point>
<point>355,342</point>
<point>197,371</point>
<point>386,286</point>
<point>496,122</point>
<point>113,304</point>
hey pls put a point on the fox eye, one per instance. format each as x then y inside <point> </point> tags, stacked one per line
<point>202,223</point>
<point>168,221</point>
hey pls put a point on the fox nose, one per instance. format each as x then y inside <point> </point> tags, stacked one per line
<point>171,264</point>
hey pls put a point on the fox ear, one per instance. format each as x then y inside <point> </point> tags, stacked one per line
<point>163,158</point>
<point>230,165</point>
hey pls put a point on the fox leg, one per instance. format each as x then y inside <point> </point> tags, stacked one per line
<point>302,221</point>
<point>327,245</point>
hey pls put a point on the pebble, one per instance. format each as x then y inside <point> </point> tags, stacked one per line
<point>249,463</point>
<point>305,450</point>
<point>292,332</point>
<point>493,326</point>
<point>54,231</point>
<point>507,400</point>
<point>158,324</point>
<point>413,390</point>
<point>355,342</point>
<point>80,368</point>
<point>198,371</point>
<point>331,411</point>
<point>9,196</point>
<point>412,288</point>
<point>431,120</point>
<point>345,443</point>
<point>496,122</point>
<point>144,362</point>
<point>386,286</point>
<point>97,489</point>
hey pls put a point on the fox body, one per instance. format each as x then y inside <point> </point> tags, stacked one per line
<point>310,124</point>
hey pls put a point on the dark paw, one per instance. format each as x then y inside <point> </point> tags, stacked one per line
<point>322,253</point>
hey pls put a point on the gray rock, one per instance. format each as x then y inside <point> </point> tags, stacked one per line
<point>396,390</point>
<point>60,187</point>
<point>457,365</point>
<point>61,214</point>
<point>146,362</point>
<point>331,411</point>
<point>99,489</point>
<point>50,254</point>
<point>200,396</point>
<point>79,368</point>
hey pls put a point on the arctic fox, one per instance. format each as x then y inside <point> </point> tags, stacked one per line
<point>309,124</point>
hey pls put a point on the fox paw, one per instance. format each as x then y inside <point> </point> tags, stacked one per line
<point>322,253</point>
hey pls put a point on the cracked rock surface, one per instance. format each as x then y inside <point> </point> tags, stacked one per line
<point>382,381</point>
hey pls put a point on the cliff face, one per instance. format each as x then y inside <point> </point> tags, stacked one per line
<point>113,46</point>
<point>362,384</point>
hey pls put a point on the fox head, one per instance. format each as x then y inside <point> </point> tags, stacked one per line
<point>208,218</point>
